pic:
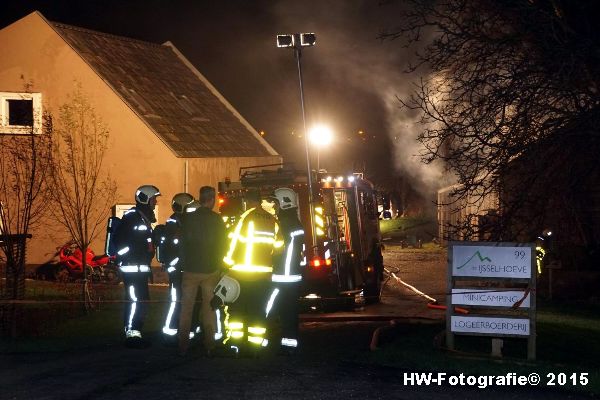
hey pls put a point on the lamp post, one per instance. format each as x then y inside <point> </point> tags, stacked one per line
<point>297,41</point>
<point>320,136</point>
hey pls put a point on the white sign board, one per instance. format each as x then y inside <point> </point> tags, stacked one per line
<point>119,209</point>
<point>489,297</point>
<point>491,262</point>
<point>490,325</point>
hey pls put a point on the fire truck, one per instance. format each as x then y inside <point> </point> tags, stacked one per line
<point>344,262</point>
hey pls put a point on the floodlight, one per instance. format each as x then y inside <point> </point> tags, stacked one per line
<point>320,135</point>
<point>308,39</point>
<point>285,40</point>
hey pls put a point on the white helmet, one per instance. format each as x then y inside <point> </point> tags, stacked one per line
<point>192,206</point>
<point>228,290</point>
<point>180,200</point>
<point>287,198</point>
<point>144,193</point>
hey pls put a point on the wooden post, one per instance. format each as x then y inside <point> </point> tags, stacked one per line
<point>531,341</point>
<point>449,306</point>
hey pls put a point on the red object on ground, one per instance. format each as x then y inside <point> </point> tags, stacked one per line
<point>440,307</point>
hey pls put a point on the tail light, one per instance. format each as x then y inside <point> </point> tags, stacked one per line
<point>319,262</point>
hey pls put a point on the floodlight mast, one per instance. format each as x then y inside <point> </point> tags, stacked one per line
<point>297,41</point>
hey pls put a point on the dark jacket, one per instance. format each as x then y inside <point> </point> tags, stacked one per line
<point>204,241</point>
<point>287,266</point>
<point>168,242</point>
<point>133,239</point>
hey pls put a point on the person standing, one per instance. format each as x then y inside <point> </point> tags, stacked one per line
<point>252,243</point>
<point>135,250</point>
<point>168,253</point>
<point>287,272</point>
<point>204,243</point>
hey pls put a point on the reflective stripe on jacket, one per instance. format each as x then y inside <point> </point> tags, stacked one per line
<point>252,242</point>
<point>287,267</point>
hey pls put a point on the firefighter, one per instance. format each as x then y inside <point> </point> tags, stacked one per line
<point>542,246</point>
<point>168,252</point>
<point>287,273</point>
<point>135,250</point>
<point>252,243</point>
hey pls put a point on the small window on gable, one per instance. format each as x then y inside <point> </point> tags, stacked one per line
<point>20,113</point>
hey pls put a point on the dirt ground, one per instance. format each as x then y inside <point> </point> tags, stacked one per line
<point>424,270</point>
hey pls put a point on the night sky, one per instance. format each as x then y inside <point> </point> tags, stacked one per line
<point>351,78</point>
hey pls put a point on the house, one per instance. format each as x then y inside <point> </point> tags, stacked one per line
<point>464,218</point>
<point>168,125</point>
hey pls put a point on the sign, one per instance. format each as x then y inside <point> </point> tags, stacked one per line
<point>491,262</point>
<point>490,325</point>
<point>507,276</point>
<point>119,209</point>
<point>489,297</point>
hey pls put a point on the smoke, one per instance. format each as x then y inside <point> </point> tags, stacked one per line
<point>352,79</point>
<point>350,58</point>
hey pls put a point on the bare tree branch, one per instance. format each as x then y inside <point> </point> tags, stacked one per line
<point>509,102</point>
<point>82,190</point>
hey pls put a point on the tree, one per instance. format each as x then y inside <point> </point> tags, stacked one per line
<point>24,166</point>
<point>509,100</point>
<point>82,190</point>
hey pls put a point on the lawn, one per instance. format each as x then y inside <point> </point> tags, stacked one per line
<point>568,341</point>
<point>409,229</point>
<point>54,318</point>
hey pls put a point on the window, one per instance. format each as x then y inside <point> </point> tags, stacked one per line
<point>20,113</point>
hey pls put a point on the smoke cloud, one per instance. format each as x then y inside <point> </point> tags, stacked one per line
<point>349,57</point>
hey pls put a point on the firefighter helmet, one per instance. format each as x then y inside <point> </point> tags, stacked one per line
<point>286,197</point>
<point>228,290</point>
<point>180,200</point>
<point>192,206</point>
<point>144,193</point>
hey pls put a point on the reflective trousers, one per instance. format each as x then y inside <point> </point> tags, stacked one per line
<point>285,308</point>
<point>137,294</point>
<point>246,321</point>
<point>174,307</point>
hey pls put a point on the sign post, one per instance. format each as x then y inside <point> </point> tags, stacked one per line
<point>497,278</point>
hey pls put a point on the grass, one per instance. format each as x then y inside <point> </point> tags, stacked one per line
<point>568,341</point>
<point>402,224</point>
<point>55,319</point>
<point>409,228</point>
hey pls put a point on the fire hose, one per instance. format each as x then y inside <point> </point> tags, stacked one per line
<point>432,304</point>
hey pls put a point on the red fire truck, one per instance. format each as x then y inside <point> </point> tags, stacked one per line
<point>345,262</point>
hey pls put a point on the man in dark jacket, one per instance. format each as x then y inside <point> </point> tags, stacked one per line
<point>135,250</point>
<point>204,241</point>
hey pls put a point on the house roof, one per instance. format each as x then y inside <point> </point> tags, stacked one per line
<point>186,112</point>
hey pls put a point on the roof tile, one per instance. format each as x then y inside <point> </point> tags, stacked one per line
<point>178,106</point>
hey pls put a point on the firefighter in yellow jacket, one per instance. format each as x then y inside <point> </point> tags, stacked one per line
<point>252,243</point>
